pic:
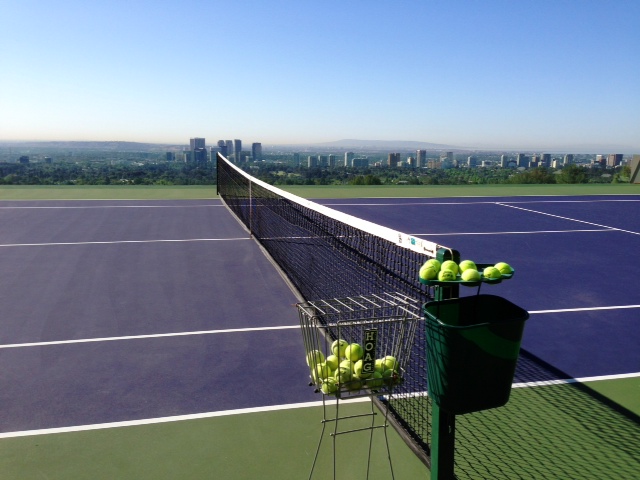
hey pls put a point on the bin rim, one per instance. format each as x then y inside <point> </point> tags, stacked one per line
<point>432,318</point>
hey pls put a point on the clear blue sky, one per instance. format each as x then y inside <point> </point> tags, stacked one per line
<point>490,74</point>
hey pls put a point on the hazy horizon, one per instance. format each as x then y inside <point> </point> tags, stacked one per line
<point>477,75</point>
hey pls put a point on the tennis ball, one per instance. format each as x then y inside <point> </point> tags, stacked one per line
<point>353,352</point>
<point>315,357</point>
<point>338,347</point>
<point>347,364</point>
<point>343,375</point>
<point>446,276</point>
<point>390,363</point>
<point>428,272</point>
<point>505,268</point>
<point>465,265</point>
<point>491,272</point>
<point>323,371</point>
<point>434,263</point>
<point>332,361</point>
<point>357,370</point>
<point>449,265</point>
<point>388,376</point>
<point>471,275</point>
<point>355,383</point>
<point>375,381</point>
<point>329,386</point>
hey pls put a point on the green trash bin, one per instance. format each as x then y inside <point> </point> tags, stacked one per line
<point>473,345</point>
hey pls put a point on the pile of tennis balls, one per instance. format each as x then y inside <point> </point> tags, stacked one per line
<point>466,270</point>
<point>342,370</point>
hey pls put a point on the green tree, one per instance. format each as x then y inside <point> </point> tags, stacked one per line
<point>572,174</point>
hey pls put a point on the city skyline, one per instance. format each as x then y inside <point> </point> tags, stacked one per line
<point>489,75</point>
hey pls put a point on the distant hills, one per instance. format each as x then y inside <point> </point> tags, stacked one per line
<point>388,144</point>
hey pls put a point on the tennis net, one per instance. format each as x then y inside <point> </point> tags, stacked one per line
<point>327,254</point>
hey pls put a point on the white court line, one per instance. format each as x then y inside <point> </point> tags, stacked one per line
<point>517,233</point>
<point>272,408</point>
<point>567,218</point>
<point>115,242</point>
<point>585,309</point>
<point>256,329</point>
<point>80,207</point>
<point>138,337</point>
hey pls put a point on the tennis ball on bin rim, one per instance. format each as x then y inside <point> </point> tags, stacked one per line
<point>338,347</point>
<point>446,276</point>
<point>432,262</point>
<point>492,273</point>
<point>428,272</point>
<point>449,265</point>
<point>470,275</point>
<point>353,352</point>
<point>466,265</point>
<point>504,268</point>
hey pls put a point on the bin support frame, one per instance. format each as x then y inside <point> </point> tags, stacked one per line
<point>443,426</point>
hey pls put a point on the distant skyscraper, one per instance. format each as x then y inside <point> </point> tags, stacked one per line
<point>237,149</point>
<point>312,161</point>
<point>568,159</point>
<point>256,152</point>
<point>229,147</point>
<point>198,150</point>
<point>545,160</point>
<point>197,143</point>
<point>332,161</point>
<point>393,160</point>
<point>421,158</point>
<point>614,159</point>
<point>348,159</point>
<point>522,160</point>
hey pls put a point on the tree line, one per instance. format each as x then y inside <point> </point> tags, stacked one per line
<point>179,173</point>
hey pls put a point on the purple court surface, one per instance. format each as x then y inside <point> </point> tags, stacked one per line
<point>125,310</point>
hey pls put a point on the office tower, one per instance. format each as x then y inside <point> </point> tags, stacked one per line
<point>198,150</point>
<point>393,160</point>
<point>348,159</point>
<point>237,149</point>
<point>504,161</point>
<point>229,147</point>
<point>472,161</point>
<point>568,159</point>
<point>312,161</point>
<point>522,160</point>
<point>614,159</point>
<point>332,161</point>
<point>256,152</point>
<point>421,158</point>
<point>171,157</point>
<point>196,143</point>
<point>296,159</point>
<point>360,162</point>
<point>545,160</point>
<point>447,156</point>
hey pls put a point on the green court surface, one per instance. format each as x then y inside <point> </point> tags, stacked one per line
<point>583,435</point>
<point>261,445</point>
